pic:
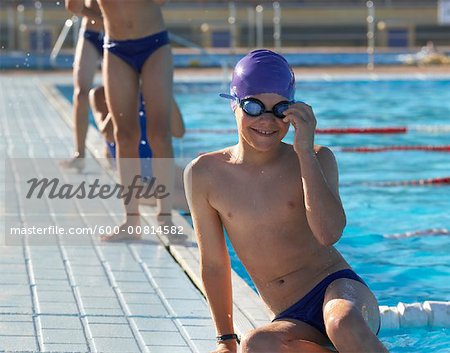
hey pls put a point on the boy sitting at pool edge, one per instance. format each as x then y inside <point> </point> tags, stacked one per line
<point>280,206</point>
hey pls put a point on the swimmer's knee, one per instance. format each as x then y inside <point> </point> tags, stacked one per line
<point>159,130</point>
<point>92,94</point>
<point>260,341</point>
<point>156,138</point>
<point>80,93</point>
<point>159,141</point>
<point>341,317</point>
<point>97,97</point>
<point>125,135</point>
<point>97,93</point>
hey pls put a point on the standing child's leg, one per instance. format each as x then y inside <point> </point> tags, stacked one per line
<point>122,87</point>
<point>157,77</point>
<point>85,65</point>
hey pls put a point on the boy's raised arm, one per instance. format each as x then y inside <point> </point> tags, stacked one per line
<point>324,211</point>
<point>214,259</point>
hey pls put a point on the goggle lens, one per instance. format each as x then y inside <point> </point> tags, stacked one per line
<point>255,107</point>
<point>279,109</point>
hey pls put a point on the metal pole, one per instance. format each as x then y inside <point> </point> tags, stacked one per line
<point>259,26</point>
<point>22,26</point>
<point>277,26</point>
<point>251,27</point>
<point>11,28</point>
<point>61,38</point>
<point>370,34</point>
<point>38,19</point>
<point>232,23</point>
<point>76,31</point>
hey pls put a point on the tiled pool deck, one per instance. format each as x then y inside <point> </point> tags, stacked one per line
<point>127,297</point>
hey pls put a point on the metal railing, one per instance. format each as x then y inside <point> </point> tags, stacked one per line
<point>358,3</point>
<point>191,45</point>
<point>61,39</point>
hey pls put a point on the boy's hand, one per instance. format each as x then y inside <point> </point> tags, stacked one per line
<point>226,347</point>
<point>301,116</point>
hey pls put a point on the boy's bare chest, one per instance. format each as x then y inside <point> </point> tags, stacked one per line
<point>260,198</point>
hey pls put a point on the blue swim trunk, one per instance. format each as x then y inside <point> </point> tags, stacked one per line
<point>95,38</point>
<point>309,308</point>
<point>135,52</point>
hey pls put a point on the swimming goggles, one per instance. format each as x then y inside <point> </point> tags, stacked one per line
<point>254,107</point>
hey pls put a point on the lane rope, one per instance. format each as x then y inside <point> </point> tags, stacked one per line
<point>331,131</point>
<point>419,182</point>
<point>429,314</point>
<point>367,130</point>
<point>445,148</point>
<point>434,129</point>
<point>419,233</point>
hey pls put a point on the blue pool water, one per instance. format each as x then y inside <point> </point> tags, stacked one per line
<point>408,269</point>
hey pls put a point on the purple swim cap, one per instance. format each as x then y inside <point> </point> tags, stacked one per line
<point>262,71</point>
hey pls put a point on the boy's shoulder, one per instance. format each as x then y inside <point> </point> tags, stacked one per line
<point>323,152</point>
<point>209,162</point>
<point>321,149</point>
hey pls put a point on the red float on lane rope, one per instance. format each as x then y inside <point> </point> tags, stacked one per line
<point>420,182</point>
<point>396,148</point>
<point>349,130</point>
<point>369,130</point>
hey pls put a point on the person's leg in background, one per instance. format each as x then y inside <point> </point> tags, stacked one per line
<point>157,82</point>
<point>122,93</point>
<point>85,66</point>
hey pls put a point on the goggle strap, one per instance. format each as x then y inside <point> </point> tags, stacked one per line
<point>229,96</point>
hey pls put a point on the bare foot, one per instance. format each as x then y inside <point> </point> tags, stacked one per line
<point>126,231</point>
<point>76,162</point>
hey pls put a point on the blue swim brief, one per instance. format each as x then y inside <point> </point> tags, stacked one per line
<point>135,52</point>
<point>95,38</point>
<point>309,308</point>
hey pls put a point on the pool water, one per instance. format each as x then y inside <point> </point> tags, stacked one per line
<point>65,61</point>
<point>408,269</point>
